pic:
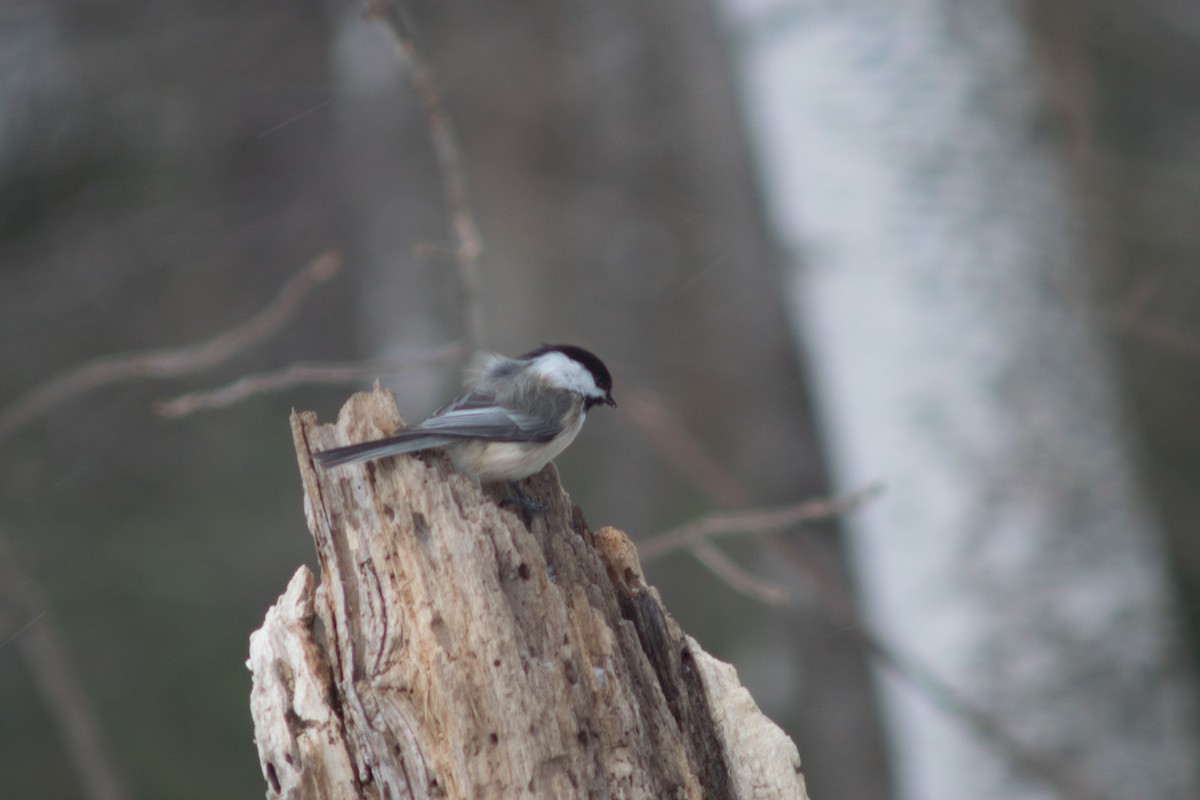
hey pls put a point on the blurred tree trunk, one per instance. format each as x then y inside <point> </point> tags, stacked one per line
<point>461,654</point>
<point>909,161</point>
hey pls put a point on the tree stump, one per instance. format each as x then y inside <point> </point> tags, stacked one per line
<point>452,652</point>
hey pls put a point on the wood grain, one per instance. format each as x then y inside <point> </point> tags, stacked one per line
<point>452,652</point>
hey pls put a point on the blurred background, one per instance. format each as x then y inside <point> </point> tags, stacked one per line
<point>166,168</point>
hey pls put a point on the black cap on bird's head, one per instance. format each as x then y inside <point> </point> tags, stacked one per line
<point>589,361</point>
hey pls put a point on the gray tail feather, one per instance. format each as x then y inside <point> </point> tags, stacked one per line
<point>380,448</point>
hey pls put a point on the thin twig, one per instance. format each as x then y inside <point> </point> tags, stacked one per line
<point>753,522</point>
<point>302,374</point>
<point>469,247</point>
<point>169,363</point>
<point>29,624</point>
<point>832,589</point>
<point>661,430</point>
<point>664,432</point>
<point>41,647</point>
<point>737,578</point>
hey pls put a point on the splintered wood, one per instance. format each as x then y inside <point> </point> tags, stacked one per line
<point>452,652</point>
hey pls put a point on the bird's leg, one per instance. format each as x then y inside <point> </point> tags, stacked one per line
<point>524,502</point>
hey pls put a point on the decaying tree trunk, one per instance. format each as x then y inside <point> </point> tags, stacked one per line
<point>451,652</point>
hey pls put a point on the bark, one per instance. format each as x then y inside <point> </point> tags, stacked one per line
<point>452,652</point>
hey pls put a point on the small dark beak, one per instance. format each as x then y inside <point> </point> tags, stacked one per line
<point>608,401</point>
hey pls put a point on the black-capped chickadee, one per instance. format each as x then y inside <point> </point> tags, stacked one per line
<point>518,414</point>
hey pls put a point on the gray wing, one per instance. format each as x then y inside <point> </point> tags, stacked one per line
<point>477,416</point>
<point>472,416</point>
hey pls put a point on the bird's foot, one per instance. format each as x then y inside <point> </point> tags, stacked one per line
<point>526,504</point>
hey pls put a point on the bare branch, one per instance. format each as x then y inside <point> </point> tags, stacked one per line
<point>737,578</point>
<point>664,432</point>
<point>169,363</point>
<point>829,585</point>
<point>302,374</point>
<point>753,522</point>
<point>469,247</point>
<point>40,645</point>
<point>689,457</point>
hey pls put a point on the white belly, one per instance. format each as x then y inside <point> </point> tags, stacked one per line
<point>488,462</point>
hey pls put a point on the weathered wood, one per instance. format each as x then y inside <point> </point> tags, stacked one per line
<point>452,652</point>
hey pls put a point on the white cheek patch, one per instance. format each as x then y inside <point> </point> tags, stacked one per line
<point>566,373</point>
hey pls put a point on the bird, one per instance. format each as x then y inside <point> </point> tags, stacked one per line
<point>516,415</point>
